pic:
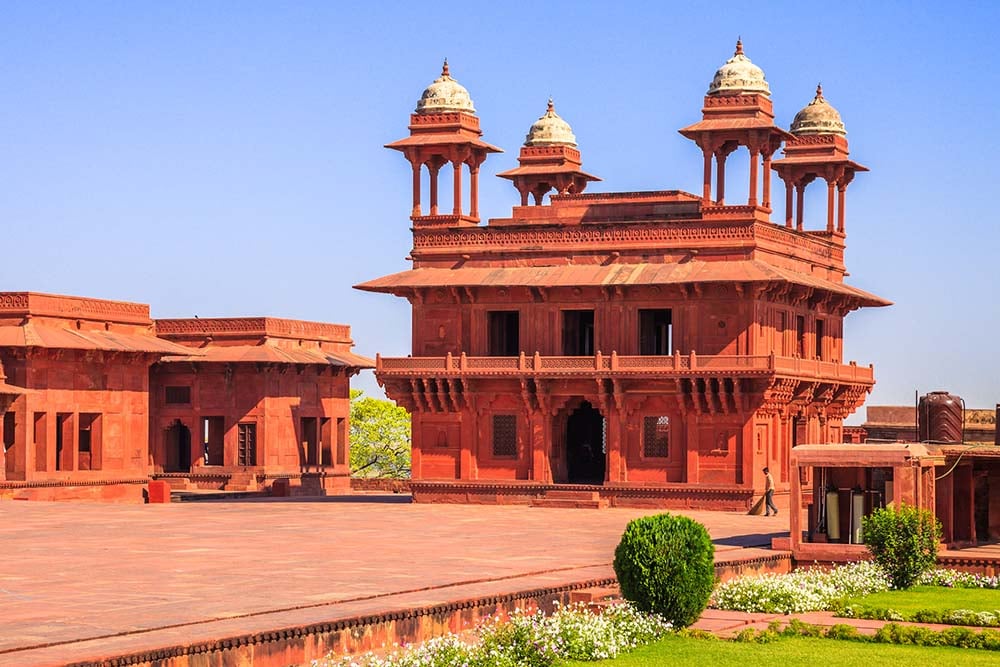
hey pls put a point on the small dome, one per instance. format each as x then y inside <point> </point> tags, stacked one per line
<point>550,130</point>
<point>739,76</point>
<point>445,95</point>
<point>818,117</point>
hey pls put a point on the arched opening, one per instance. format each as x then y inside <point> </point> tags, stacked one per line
<point>178,448</point>
<point>585,446</point>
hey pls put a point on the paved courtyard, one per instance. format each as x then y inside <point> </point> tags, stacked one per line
<point>80,579</point>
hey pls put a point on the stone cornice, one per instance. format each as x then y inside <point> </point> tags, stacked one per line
<point>251,327</point>
<point>73,307</point>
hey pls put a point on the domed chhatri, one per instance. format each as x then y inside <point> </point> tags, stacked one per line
<point>550,130</point>
<point>818,117</point>
<point>739,76</point>
<point>445,95</point>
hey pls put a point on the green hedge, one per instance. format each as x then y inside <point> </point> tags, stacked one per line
<point>904,542</point>
<point>666,565</point>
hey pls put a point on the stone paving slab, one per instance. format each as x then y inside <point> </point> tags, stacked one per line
<point>81,574</point>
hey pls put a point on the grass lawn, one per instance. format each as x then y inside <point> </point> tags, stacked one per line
<point>932,597</point>
<point>790,652</point>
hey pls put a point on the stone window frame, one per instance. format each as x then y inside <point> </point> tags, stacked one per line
<point>511,418</point>
<point>644,449</point>
<point>172,391</point>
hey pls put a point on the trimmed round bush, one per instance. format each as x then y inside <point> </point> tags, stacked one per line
<point>665,565</point>
<point>903,542</point>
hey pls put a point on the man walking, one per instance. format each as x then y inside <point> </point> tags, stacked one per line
<point>769,494</point>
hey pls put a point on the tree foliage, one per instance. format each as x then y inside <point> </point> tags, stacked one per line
<point>380,437</point>
<point>665,564</point>
<point>904,541</point>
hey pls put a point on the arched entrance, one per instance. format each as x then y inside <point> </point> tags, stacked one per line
<point>585,446</point>
<point>178,448</point>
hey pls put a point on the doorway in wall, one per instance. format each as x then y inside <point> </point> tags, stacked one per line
<point>585,446</point>
<point>178,448</point>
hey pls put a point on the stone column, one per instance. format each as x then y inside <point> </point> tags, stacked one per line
<point>841,202</point>
<point>457,189</point>
<point>474,192</point>
<point>434,169</point>
<point>613,468</point>
<point>800,192</point>
<point>766,203</point>
<point>830,185</point>
<point>416,189</point>
<point>541,470</point>
<point>720,178</point>
<point>706,195</point>
<point>789,203</point>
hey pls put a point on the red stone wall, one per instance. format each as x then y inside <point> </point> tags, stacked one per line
<point>275,397</point>
<point>107,391</point>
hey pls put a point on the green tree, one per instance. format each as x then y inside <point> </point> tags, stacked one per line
<point>380,437</point>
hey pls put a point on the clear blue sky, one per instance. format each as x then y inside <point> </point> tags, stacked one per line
<point>221,159</point>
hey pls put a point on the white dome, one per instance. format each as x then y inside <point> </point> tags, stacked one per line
<point>739,76</point>
<point>550,130</point>
<point>818,117</point>
<point>445,95</point>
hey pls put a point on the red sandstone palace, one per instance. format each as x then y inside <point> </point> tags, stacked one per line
<point>645,347</point>
<point>98,399</point>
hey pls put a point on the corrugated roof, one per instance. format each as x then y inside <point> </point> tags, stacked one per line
<point>47,336</point>
<point>272,354</point>
<point>609,275</point>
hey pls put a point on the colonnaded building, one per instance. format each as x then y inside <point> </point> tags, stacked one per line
<point>98,400</point>
<point>632,348</point>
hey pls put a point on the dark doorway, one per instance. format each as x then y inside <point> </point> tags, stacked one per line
<point>585,456</point>
<point>578,333</point>
<point>654,332</point>
<point>213,433</point>
<point>502,334</point>
<point>310,441</point>
<point>178,448</point>
<point>9,439</point>
<point>981,506</point>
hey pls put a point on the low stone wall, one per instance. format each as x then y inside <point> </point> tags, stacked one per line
<point>300,645</point>
<point>777,563</point>
<point>677,496</point>
<point>379,484</point>
<point>130,490</point>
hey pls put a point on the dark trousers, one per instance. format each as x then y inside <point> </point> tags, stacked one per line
<point>769,502</point>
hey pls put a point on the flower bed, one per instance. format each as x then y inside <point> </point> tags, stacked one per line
<point>800,591</point>
<point>957,579</point>
<point>528,640</point>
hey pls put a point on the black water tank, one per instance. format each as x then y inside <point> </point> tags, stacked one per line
<point>939,418</point>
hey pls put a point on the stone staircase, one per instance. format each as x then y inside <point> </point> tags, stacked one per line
<point>570,498</point>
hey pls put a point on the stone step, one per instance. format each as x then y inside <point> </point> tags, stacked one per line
<point>195,496</point>
<point>572,494</point>
<point>594,595</point>
<point>567,503</point>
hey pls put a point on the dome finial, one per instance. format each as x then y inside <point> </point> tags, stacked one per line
<point>739,46</point>
<point>552,106</point>
<point>444,68</point>
<point>819,90</point>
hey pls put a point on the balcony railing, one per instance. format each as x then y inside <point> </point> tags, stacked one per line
<point>614,364</point>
